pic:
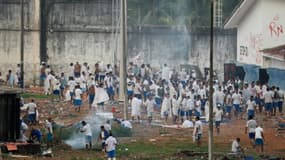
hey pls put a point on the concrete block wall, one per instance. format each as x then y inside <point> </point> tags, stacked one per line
<point>10,24</point>
<point>81,31</point>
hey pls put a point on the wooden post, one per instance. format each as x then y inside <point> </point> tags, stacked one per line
<point>123,59</point>
<point>210,145</point>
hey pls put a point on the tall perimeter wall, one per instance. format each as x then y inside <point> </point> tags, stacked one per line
<point>64,31</point>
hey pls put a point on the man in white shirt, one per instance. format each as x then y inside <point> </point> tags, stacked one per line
<point>136,108</point>
<point>220,96</point>
<point>109,83</point>
<point>150,103</point>
<point>111,143</point>
<point>86,129</point>
<point>236,102</point>
<point>175,104</point>
<point>250,107</point>
<point>259,138</point>
<point>165,72</point>
<point>32,110</point>
<point>198,130</point>
<point>236,148</point>
<point>77,98</point>
<point>268,102</point>
<point>250,129</point>
<point>190,105</point>
<point>166,108</point>
<point>218,118</point>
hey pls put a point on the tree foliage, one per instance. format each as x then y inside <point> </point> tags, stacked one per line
<point>193,13</point>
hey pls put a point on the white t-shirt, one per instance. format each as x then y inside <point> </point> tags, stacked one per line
<point>218,115</point>
<point>111,143</point>
<point>281,95</point>
<point>199,127</point>
<point>77,93</point>
<point>49,126</point>
<point>175,106</point>
<point>251,125</point>
<point>71,84</point>
<point>250,105</point>
<point>149,106</point>
<point>87,130</point>
<point>258,132</point>
<point>236,98</point>
<point>198,106</point>
<point>235,146</point>
<point>220,97</point>
<point>267,97</point>
<point>32,108</point>
<point>109,81</point>
<point>190,104</point>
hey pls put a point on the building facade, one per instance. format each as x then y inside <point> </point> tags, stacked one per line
<point>260,35</point>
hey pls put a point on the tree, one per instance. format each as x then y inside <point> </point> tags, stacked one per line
<point>192,13</point>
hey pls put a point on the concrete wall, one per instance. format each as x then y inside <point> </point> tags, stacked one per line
<point>224,50</point>
<point>81,31</point>
<point>10,20</point>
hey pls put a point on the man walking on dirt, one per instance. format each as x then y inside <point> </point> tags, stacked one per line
<point>32,111</point>
<point>250,129</point>
<point>218,118</point>
<point>111,143</point>
<point>259,139</point>
<point>198,129</point>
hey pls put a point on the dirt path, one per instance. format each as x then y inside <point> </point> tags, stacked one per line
<point>63,113</point>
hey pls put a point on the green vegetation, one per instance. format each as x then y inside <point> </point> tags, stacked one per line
<point>192,13</point>
<point>35,96</point>
<point>170,149</point>
<point>119,131</point>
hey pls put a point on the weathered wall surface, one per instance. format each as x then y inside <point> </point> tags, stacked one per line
<point>81,31</point>
<point>224,50</point>
<point>10,20</point>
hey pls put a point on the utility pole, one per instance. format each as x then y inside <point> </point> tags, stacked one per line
<point>210,145</point>
<point>22,45</point>
<point>123,57</point>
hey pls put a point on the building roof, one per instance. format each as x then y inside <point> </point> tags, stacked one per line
<point>9,90</point>
<point>275,52</point>
<point>239,13</point>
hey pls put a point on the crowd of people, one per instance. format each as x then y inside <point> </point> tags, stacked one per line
<point>12,78</point>
<point>178,96</point>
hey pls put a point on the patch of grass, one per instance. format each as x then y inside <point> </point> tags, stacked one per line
<point>169,149</point>
<point>35,96</point>
<point>119,131</point>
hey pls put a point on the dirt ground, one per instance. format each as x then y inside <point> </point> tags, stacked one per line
<point>63,113</point>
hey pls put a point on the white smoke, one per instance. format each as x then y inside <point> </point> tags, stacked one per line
<point>77,140</point>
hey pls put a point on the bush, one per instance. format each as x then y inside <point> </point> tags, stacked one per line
<point>119,131</point>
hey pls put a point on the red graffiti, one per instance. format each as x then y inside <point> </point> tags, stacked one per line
<point>275,29</point>
<point>256,42</point>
